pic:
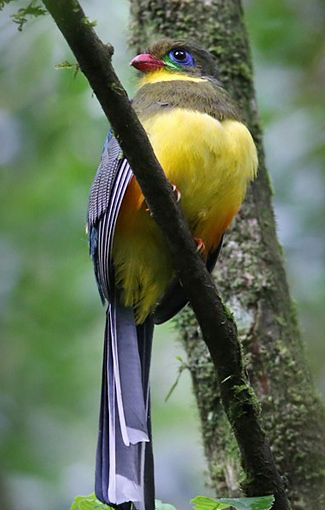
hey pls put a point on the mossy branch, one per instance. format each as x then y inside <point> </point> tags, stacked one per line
<point>219,330</point>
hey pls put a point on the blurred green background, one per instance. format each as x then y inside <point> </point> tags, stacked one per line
<point>51,136</point>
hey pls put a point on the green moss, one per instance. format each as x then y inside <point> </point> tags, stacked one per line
<point>243,401</point>
<point>229,314</point>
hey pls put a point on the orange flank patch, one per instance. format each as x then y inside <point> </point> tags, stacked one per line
<point>212,233</point>
<point>133,200</point>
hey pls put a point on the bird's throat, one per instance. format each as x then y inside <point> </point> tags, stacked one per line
<point>163,75</point>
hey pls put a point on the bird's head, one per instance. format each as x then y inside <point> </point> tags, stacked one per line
<point>176,56</point>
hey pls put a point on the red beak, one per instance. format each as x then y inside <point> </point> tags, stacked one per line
<point>146,62</point>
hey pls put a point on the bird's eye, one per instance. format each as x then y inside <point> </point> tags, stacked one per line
<point>181,57</point>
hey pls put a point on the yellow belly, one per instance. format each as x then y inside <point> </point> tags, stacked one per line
<point>210,162</point>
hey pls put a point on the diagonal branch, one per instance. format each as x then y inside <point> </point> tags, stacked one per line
<point>217,325</point>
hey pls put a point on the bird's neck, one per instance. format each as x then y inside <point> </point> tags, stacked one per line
<point>160,90</point>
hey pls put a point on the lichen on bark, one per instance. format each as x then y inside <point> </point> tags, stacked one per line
<point>251,278</point>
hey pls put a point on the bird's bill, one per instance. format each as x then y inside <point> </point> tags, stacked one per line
<point>146,62</point>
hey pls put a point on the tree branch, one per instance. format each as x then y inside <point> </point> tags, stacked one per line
<point>217,325</point>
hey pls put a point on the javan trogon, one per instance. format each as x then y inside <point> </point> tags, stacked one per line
<point>208,155</point>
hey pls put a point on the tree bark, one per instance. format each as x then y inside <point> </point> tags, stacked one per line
<point>251,277</point>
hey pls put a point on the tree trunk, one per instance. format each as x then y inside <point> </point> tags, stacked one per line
<point>251,278</point>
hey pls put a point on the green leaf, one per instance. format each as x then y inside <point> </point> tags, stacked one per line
<point>89,503</point>
<point>163,506</point>
<point>201,503</point>
<point>258,503</point>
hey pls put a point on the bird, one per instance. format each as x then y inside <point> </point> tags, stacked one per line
<point>208,155</point>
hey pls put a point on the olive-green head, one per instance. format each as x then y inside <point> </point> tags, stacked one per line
<point>176,55</point>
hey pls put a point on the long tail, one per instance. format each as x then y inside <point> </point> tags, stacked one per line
<point>124,460</point>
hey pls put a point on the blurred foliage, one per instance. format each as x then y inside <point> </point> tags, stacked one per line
<point>51,136</point>
<point>33,9</point>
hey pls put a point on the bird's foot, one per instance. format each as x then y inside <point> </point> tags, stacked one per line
<point>147,209</point>
<point>177,195</point>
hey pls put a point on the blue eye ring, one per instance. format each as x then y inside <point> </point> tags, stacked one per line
<point>181,57</point>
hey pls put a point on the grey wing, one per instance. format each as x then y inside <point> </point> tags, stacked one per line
<point>106,195</point>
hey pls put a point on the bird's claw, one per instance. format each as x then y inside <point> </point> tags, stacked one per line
<point>200,245</point>
<point>177,195</point>
<point>176,192</point>
<point>147,209</point>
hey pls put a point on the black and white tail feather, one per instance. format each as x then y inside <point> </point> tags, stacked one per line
<point>124,459</point>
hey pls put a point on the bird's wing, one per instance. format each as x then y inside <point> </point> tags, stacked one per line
<point>174,298</point>
<point>124,453</point>
<point>106,195</point>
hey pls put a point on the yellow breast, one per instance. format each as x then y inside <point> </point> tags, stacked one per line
<point>210,162</point>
